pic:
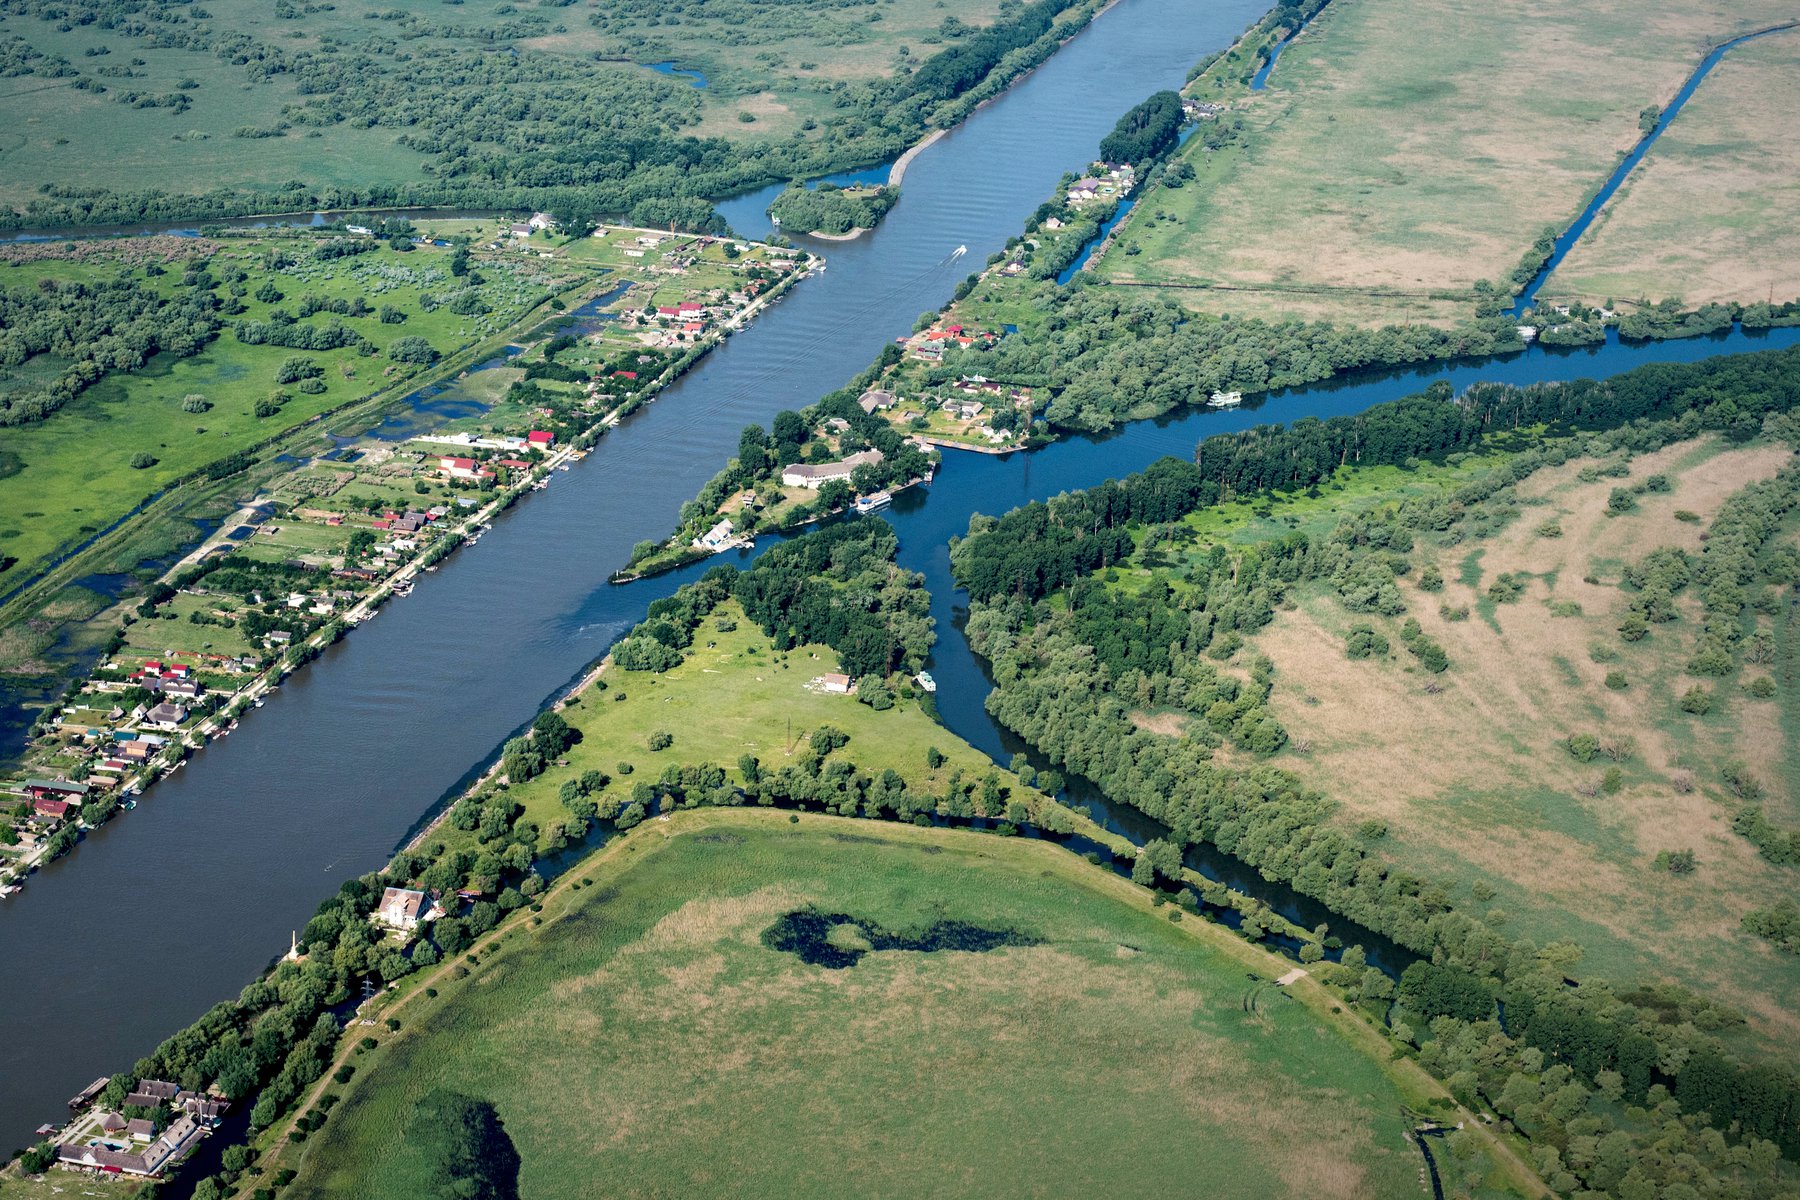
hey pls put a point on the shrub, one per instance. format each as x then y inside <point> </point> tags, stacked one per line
<point>1616,681</point>
<point>1364,642</point>
<point>293,370</point>
<point>1697,700</point>
<point>1762,687</point>
<point>1676,862</point>
<point>661,739</point>
<point>1619,502</point>
<point>194,402</point>
<point>141,461</point>
<point>1582,746</point>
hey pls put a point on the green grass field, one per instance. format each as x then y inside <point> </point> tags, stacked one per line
<point>735,695</point>
<point>643,1039</point>
<point>1392,162</point>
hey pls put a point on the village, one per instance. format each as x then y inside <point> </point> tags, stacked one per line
<point>321,547</point>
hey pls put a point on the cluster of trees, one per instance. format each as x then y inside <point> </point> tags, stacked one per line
<point>832,209</point>
<point>1106,353</point>
<point>1146,132</point>
<point>1044,545</point>
<point>838,586</point>
<point>104,325</point>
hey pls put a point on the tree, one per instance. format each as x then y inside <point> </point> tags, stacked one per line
<point>661,739</point>
<point>141,461</point>
<point>1696,700</point>
<point>412,349</point>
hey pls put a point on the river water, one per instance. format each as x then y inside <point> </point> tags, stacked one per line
<point>176,906</point>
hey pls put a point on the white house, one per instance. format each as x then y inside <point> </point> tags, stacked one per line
<point>402,908</point>
<point>816,475</point>
<point>542,221</point>
<point>716,538</point>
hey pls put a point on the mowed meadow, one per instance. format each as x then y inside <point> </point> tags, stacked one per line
<point>1469,771</point>
<point>1403,151</point>
<point>644,1040</point>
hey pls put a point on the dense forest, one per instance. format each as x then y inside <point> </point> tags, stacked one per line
<point>831,209</point>
<point>1146,131</point>
<point>1623,1092</point>
<point>524,127</point>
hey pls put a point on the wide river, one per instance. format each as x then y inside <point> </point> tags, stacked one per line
<point>178,905</point>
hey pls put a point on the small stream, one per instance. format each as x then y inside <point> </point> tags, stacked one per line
<point>1260,80</point>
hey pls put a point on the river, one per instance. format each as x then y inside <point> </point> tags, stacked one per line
<point>176,906</point>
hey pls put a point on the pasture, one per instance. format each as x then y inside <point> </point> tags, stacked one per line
<point>1406,149</point>
<point>643,1038</point>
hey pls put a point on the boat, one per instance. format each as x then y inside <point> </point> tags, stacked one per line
<point>925,681</point>
<point>871,503</point>
<point>1226,399</point>
<point>259,702</point>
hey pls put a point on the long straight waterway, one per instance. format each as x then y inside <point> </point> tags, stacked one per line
<point>177,905</point>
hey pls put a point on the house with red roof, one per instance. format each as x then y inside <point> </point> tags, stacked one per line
<point>458,468</point>
<point>54,810</point>
<point>541,437</point>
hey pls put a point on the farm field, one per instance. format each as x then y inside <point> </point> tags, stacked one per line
<point>648,1012</point>
<point>1404,151</point>
<point>1537,835</point>
<point>1705,216</point>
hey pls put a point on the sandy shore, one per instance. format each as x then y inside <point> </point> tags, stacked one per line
<point>898,171</point>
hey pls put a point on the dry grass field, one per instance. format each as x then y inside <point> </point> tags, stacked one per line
<point>1709,214</point>
<point>1474,780</point>
<point>1407,148</point>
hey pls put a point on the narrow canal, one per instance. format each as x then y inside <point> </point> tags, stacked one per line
<point>176,906</point>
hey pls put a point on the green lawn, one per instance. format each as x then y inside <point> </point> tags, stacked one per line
<point>643,1039</point>
<point>735,695</point>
